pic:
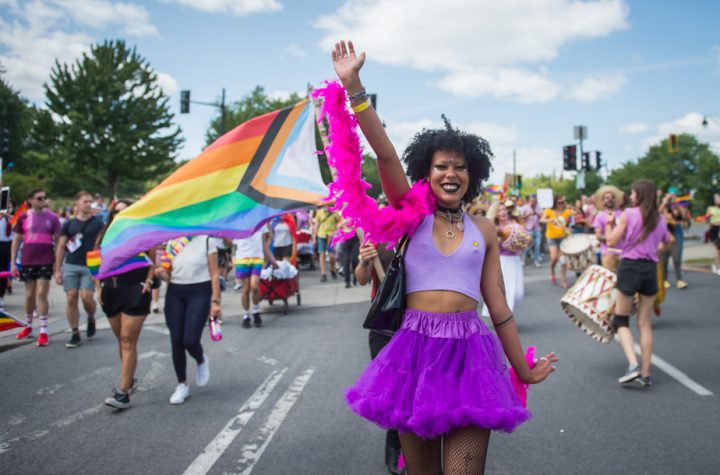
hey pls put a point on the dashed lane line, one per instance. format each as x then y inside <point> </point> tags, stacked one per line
<point>252,452</point>
<point>204,462</point>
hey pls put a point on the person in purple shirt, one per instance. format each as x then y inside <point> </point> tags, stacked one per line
<point>531,214</point>
<point>38,229</point>
<point>643,233</point>
<point>608,199</point>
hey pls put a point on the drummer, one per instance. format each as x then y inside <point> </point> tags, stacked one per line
<point>557,219</point>
<point>607,199</point>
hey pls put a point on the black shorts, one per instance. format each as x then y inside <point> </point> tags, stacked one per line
<point>30,273</point>
<point>715,235</point>
<point>637,276</point>
<point>127,299</point>
<point>281,252</point>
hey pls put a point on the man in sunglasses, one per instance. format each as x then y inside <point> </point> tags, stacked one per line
<point>38,230</point>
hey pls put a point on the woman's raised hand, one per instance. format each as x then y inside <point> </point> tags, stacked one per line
<point>346,63</point>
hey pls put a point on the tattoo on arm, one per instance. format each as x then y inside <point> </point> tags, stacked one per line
<point>501,282</point>
<point>504,322</point>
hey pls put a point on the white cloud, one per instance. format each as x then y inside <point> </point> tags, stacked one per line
<point>133,19</point>
<point>518,84</point>
<point>529,161</point>
<point>593,89</point>
<point>692,124</point>
<point>296,51</point>
<point>634,128</point>
<point>236,7</point>
<point>476,43</point>
<point>38,33</point>
<point>168,83</point>
<point>279,95</point>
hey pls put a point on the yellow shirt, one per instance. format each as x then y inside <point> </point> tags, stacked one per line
<point>553,231</point>
<point>327,223</point>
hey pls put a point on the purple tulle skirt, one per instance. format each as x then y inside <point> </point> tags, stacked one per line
<point>440,372</point>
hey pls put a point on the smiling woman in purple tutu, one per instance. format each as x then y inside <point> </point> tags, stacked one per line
<point>442,381</point>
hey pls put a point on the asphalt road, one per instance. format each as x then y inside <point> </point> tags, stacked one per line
<point>274,404</point>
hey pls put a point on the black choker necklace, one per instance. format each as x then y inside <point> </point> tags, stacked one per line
<point>448,210</point>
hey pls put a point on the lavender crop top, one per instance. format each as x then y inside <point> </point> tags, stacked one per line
<point>426,268</point>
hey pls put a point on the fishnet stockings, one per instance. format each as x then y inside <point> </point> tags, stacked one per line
<point>465,451</point>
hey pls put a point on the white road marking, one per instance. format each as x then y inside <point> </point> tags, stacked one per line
<point>204,462</point>
<point>156,369</point>
<point>252,452</point>
<point>265,359</point>
<point>78,416</point>
<point>673,372</point>
<point>681,377</point>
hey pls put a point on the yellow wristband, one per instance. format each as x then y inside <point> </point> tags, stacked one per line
<point>361,107</point>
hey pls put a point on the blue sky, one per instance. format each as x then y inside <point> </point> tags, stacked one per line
<point>519,73</point>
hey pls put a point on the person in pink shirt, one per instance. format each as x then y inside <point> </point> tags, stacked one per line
<point>38,229</point>
<point>642,230</point>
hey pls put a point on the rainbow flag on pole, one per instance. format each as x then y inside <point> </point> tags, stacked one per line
<point>260,169</point>
<point>9,321</point>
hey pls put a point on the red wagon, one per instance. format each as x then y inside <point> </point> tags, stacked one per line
<point>280,289</point>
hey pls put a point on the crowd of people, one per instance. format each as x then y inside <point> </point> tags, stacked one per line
<point>438,384</point>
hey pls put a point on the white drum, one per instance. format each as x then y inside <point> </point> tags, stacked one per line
<point>578,251</point>
<point>590,302</point>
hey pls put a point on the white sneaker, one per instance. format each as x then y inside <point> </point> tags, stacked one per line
<point>237,286</point>
<point>712,266</point>
<point>202,372</point>
<point>182,392</point>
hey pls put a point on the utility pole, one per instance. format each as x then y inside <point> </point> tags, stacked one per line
<point>514,172</point>
<point>185,106</point>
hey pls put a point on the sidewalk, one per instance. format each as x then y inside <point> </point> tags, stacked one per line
<point>313,293</point>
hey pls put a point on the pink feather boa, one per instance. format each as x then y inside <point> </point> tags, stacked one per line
<point>521,387</point>
<point>386,225</point>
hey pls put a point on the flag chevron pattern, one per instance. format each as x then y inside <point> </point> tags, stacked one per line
<point>258,170</point>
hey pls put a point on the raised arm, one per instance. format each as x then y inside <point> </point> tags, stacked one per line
<point>492,287</point>
<point>392,176</point>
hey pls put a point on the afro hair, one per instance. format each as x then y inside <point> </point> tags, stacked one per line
<point>476,150</point>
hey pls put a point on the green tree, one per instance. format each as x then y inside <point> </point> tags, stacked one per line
<point>112,121</point>
<point>693,168</point>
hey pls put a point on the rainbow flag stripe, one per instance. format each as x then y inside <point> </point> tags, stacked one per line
<point>494,189</point>
<point>258,170</point>
<point>94,259</point>
<point>9,321</point>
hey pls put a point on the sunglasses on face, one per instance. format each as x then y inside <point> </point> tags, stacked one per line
<point>40,198</point>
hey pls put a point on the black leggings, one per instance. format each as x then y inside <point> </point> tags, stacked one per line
<point>4,265</point>
<point>187,307</point>
<point>349,255</point>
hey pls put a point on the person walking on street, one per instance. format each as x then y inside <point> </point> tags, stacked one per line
<point>125,299</point>
<point>193,293</point>
<point>349,250</point>
<point>5,247</point>
<point>678,217</point>
<point>442,380</point>
<point>557,219</point>
<point>77,237</point>
<point>531,214</point>
<point>324,227</point>
<point>38,230</point>
<point>365,272</point>
<point>608,198</point>
<point>249,258</point>
<point>642,230</point>
<point>713,214</point>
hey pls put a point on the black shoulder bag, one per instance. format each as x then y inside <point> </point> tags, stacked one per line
<point>388,306</point>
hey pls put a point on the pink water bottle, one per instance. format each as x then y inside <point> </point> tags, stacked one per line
<point>215,329</point>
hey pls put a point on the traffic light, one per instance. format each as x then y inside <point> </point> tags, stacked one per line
<point>373,100</point>
<point>518,182</point>
<point>570,158</point>
<point>586,161</point>
<point>4,141</point>
<point>598,161</point>
<point>673,143</point>
<point>184,102</point>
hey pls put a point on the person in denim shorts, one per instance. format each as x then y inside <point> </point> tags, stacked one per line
<point>77,237</point>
